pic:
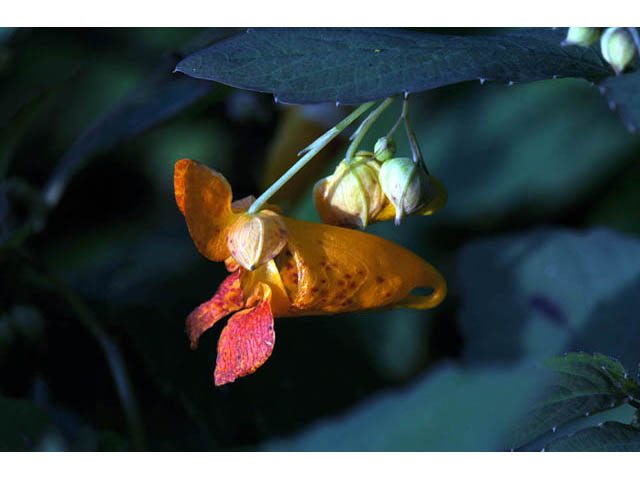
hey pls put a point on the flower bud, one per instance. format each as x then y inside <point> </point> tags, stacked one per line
<point>617,48</point>
<point>406,185</point>
<point>583,36</point>
<point>352,195</point>
<point>254,239</point>
<point>384,149</point>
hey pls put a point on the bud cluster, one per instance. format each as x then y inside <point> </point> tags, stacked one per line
<point>617,44</point>
<point>374,187</point>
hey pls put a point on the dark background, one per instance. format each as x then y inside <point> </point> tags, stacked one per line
<point>95,283</point>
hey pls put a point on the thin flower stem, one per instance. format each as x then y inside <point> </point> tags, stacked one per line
<point>117,366</point>
<point>114,358</point>
<point>311,152</point>
<point>416,153</point>
<point>395,125</point>
<point>635,36</point>
<point>364,127</point>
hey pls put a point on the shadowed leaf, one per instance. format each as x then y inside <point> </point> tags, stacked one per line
<point>355,65</point>
<point>623,94</point>
<point>23,425</point>
<point>158,98</point>
<point>486,402</point>
<point>581,385</point>
<point>539,294</point>
<point>610,437</point>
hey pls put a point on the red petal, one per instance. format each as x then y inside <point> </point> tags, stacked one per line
<point>227,299</point>
<point>246,343</point>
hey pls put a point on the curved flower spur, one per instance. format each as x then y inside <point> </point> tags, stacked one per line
<point>282,267</point>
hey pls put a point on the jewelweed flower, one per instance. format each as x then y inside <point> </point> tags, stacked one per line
<point>283,267</point>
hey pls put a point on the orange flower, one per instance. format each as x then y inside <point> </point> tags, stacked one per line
<point>298,268</point>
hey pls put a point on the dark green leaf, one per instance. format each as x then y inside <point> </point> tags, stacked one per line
<point>609,437</point>
<point>538,294</point>
<point>354,65</point>
<point>156,99</point>
<point>623,94</point>
<point>22,425</point>
<point>452,409</point>
<point>581,385</point>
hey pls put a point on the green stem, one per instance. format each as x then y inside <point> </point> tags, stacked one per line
<point>635,37</point>
<point>116,363</point>
<point>364,127</point>
<point>413,141</point>
<point>112,354</point>
<point>311,152</point>
<point>395,125</point>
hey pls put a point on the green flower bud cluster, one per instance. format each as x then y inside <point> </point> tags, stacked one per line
<point>617,44</point>
<point>375,187</point>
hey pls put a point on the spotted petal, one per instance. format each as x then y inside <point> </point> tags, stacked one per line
<point>246,342</point>
<point>227,299</point>
<point>327,269</point>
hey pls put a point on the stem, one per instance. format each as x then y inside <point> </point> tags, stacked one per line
<point>364,127</point>
<point>311,152</point>
<point>395,125</point>
<point>635,36</point>
<point>114,359</point>
<point>416,153</point>
<point>110,349</point>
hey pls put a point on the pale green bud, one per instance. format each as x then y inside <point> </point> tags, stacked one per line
<point>384,149</point>
<point>617,48</point>
<point>583,36</point>
<point>406,185</point>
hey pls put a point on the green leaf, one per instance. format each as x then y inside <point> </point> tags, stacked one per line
<point>609,437</point>
<point>623,94</point>
<point>355,65</point>
<point>581,385</point>
<point>451,409</point>
<point>156,99</point>
<point>23,425</point>
<point>541,293</point>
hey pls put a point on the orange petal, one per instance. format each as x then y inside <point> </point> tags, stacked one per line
<point>335,270</point>
<point>246,342</point>
<point>268,274</point>
<point>204,197</point>
<point>179,171</point>
<point>227,299</point>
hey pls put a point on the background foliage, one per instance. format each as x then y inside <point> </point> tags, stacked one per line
<point>539,244</point>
